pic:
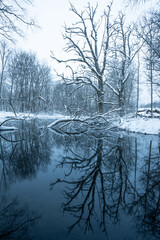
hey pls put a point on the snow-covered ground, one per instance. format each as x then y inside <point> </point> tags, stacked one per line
<point>7,128</point>
<point>140,124</point>
<point>9,115</point>
<point>5,115</point>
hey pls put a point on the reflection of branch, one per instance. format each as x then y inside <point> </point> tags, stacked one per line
<point>9,140</point>
<point>7,121</point>
<point>146,206</point>
<point>19,227</point>
<point>15,221</point>
<point>147,192</point>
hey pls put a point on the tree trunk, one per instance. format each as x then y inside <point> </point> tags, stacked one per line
<point>101,103</point>
<point>138,87</point>
<point>121,104</point>
<point>100,96</point>
<point>151,76</point>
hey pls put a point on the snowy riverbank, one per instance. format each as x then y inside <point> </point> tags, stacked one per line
<point>140,125</point>
<point>4,115</point>
<point>143,125</point>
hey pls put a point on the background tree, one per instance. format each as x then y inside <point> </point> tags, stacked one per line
<point>13,17</point>
<point>121,68</point>
<point>30,83</point>
<point>148,31</point>
<point>4,57</point>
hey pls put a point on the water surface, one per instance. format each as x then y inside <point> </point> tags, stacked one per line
<point>87,186</point>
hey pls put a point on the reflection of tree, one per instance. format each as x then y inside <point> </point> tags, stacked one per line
<point>16,221</point>
<point>104,181</point>
<point>85,185</point>
<point>23,153</point>
<point>146,206</point>
<point>98,188</point>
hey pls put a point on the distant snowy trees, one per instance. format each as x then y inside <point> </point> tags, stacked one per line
<point>29,83</point>
<point>148,31</point>
<point>4,57</point>
<point>13,19</point>
<point>121,74</point>
<point>25,84</point>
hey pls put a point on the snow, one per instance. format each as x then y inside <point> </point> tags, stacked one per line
<point>10,115</point>
<point>47,116</point>
<point>5,115</point>
<point>140,125</point>
<point>8,128</point>
<point>146,112</point>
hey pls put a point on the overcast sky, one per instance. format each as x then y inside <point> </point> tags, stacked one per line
<point>51,16</point>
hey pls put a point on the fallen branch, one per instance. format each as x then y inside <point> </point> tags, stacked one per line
<point>67,121</point>
<point>82,120</point>
<point>8,128</point>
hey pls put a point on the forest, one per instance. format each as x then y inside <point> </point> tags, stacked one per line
<point>109,61</point>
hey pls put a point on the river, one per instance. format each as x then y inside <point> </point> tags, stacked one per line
<point>87,186</point>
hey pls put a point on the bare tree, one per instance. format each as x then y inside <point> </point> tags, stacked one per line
<point>138,78</point>
<point>12,16</point>
<point>88,41</point>
<point>148,31</point>
<point>30,83</point>
<point>4,57</point>
<point>121,69</point>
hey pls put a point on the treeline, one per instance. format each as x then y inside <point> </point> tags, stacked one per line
<point>26,84</point>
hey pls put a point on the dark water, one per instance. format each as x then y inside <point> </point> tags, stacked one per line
<point>55,187</point>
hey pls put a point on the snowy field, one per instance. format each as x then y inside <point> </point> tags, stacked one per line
<point>143,124</point>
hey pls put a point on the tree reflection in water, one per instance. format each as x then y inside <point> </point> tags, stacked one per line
<point>107,178</point>
<point>108,182</point>
<point>146,205</point>
<point>22,154</point>
<point>16,221</point>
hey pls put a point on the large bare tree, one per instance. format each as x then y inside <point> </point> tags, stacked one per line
<point>88,45</point>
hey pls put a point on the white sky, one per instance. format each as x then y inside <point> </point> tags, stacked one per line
<point>51,16</point>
